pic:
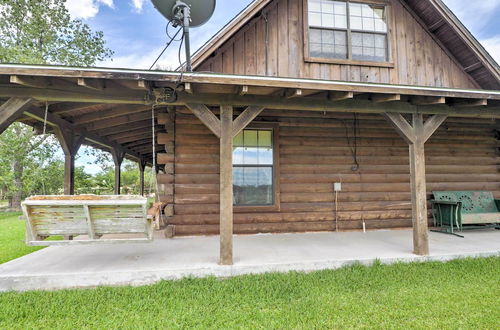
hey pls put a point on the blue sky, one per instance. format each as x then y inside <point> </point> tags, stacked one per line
<point>136,31</point>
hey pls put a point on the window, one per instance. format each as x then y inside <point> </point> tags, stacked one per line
<point>253,168</point>
<point>347,30</point>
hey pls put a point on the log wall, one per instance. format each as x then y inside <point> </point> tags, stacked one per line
<point>314,153</point>
<point>418,59</point>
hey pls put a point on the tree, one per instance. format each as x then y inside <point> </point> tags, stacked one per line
<point>42,32</point>
<point>39,32</point>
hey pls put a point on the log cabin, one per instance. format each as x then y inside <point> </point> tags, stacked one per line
<point>300,115</point>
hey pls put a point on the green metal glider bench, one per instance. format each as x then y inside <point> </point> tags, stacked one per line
<point>474,209</point>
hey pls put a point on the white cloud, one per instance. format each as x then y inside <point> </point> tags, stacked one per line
<point>138,4</point>
<point>492,45</point>
<point>144,58</point>
<point>85,9</point>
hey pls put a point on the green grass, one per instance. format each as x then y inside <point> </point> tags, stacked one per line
<point>12,244</point>
<point>459,294</point>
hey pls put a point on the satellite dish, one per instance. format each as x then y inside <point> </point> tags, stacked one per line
<point>186,13</point>
<point>200,10</point>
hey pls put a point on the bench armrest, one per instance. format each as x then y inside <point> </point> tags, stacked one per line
<point>445,202</point>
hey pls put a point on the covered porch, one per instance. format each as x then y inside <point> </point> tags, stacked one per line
<point>118,110</point>
<point>167,259</point>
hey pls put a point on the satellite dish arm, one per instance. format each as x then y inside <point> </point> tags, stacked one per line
<point>187,45</point>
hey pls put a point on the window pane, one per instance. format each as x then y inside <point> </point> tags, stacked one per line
<point>368,24</point>
<point>250,155</point>
<point>340,8</point>
<point>327,21</point>
<point>327,37</point>
<point>357,40</point>
<point>369,47</point>
<point>265,139</point>
<point>238,140</point>
<point>340,21</point>
<point>356,23</point>
<point>368,40</point>
<point>315,50</point>
<point>315,5</point>
<point>238,153</point>
<point>340,38</point>
<point>315,19</point>
<point>355,9</point>
<point>253,185</point>
<point>250,138</point>
<point>368,17</point>
<point>265,156</point>
<point>315,36</point>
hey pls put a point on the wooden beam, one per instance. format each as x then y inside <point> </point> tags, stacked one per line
<point>114,112</point>
<point>269,102</point>
<point>243,90</point>
<point>207,117</point>
<point>118,156</point>
<point>468,103</point>
<point>142,167</point>
<point>416,135</point>
<point>402,126</point>
<point>428,100</point>
<point>29,81</point>
<point>56,121</point>
<point>96,84</point>
<point>340,96</point>
<point>431,125</point>
<point>63,108</point>
<point>118,121</point>
<point>245,118</point>
<point>382,98</point>
<point>226,186</point>
<point>11,110</point>
<point>433,27</point>
<point>70,143</point>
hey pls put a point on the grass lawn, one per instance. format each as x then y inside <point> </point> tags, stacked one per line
<point>459,294</point>
<point>12,244</point>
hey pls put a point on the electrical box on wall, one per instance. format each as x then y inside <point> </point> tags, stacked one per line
<point>337,186</point>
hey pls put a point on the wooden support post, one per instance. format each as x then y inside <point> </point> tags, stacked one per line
<point>11,110</point>
<point>226,186</point>
<point>142,166</point>
<point>225,129</point>
<point>416,134</point>
<point>118,159</point>
<point>70,143</point>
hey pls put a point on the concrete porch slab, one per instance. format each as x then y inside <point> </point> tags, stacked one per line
<point>141,264</point>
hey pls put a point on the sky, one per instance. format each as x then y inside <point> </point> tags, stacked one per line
<point>135,31</point>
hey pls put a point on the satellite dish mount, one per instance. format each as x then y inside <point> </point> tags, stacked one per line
<point>187,14</point>
<point>181,16</point>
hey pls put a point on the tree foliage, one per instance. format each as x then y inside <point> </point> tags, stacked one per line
<point>42,32</point>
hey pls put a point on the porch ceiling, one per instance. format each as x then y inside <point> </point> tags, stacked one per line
<point>112,107</point>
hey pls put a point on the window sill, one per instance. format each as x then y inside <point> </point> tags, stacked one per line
<point>348,62</point>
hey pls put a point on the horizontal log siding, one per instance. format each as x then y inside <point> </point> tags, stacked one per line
<point>314,153</point>
<point>418,59</point>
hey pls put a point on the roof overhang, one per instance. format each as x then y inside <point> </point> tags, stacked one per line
<point>98,102</point>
